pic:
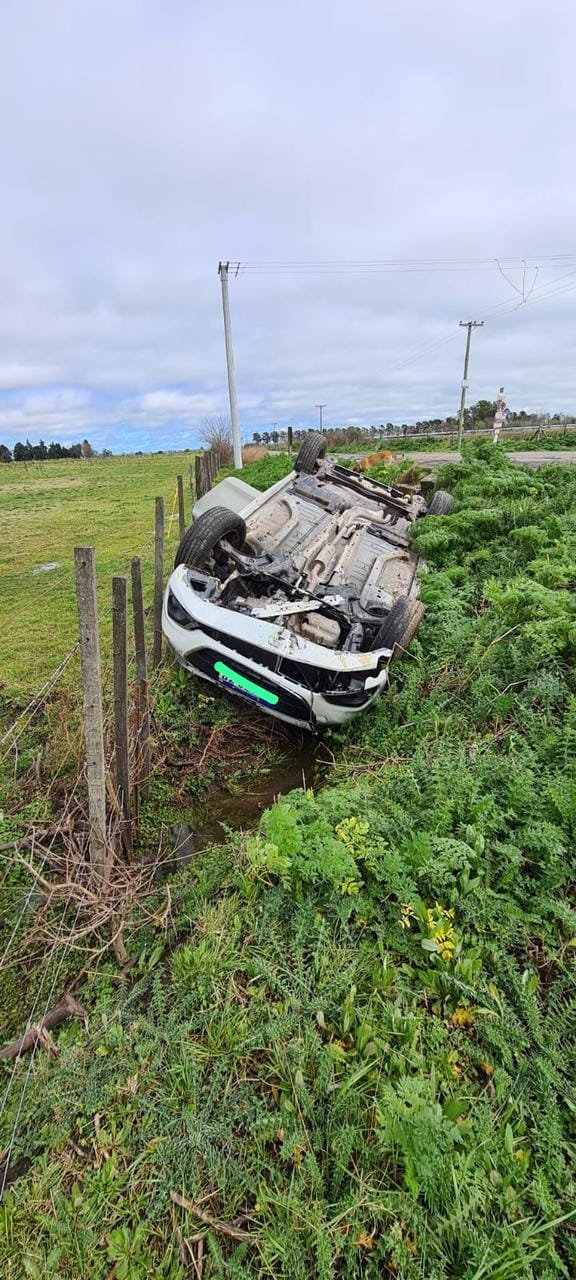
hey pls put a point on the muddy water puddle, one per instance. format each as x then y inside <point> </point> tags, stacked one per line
<point>302,764</point>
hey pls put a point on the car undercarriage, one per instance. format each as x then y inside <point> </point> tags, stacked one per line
<point>314,580</point>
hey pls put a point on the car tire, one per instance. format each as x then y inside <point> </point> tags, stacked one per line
<point>204,535</point>
<point>311,450</point>
<point>441,504</point>
<point>399,628</point>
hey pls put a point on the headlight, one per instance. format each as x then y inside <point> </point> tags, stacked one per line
<point>177,612</point>
<point>353,697</point>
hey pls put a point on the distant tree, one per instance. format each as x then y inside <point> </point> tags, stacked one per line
<point>257,438</point>
<point>5,454</point>
<point>107,453</point>
<point>274,436</point>
<point>216,433</point>
<point>483,410</point>
<point>39,452</point>
<point>55,450</point>
<point>23,452</point>
<point>87,450</point>
<point>75,451</point>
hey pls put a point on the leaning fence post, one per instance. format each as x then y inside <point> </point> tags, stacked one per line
<point>158,580</point>
<point>181,510</point>
<point>85,565</point>
<point>121,705</point>
<point>141,672</point>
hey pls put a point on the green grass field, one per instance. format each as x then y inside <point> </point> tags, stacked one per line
<point>48,508</point>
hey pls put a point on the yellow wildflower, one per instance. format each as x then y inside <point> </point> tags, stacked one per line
<point>463,1016</point>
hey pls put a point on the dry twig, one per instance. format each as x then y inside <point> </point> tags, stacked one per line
<point>221,1228</point>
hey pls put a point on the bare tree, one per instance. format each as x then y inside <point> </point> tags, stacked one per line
<point>216,433</point>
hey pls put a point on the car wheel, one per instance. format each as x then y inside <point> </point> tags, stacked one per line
<point>441,504</point>
<point>399,628</point>
<point>310,452</point>
<point>201,540</point>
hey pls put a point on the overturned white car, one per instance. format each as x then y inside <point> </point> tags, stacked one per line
<point>297,598</point>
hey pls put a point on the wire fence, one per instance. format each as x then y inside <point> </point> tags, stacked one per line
<point>11,735</point>
<point>45,844</point>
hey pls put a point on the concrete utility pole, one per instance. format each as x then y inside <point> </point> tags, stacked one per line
<point>501,407</point>
<point>469,325</point>
<point>236,441</point>
<point>321,407</point>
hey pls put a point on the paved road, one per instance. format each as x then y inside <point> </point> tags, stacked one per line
<point>530,458</point>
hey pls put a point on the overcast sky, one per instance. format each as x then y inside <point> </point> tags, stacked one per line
<point>142,142</point>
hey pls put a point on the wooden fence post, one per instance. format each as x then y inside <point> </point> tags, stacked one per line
<point>141,673</point>
<point>158,580</point>
<point>119,646</point>
<point>85,565</point>
<point>199,475</point>
<point>181,509</point>
<point>290,439</point>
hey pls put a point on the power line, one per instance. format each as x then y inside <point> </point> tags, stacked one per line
<point>375,265</point>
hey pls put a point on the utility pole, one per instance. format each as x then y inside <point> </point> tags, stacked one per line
<point>321,407</point>
<point>469,325</point>
<point>236,441</point>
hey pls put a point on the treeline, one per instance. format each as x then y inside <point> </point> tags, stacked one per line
<point>42,452</point>
<point>477,417</point>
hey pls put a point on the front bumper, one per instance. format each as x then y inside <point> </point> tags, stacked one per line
<point>205,648</point>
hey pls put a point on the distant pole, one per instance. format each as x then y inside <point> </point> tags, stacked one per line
<point>236,441</point>
<point>469,325</point>
<point>119,645</point>
<point>158,580</point>
<point>321,407</point>
<point>181,510</point>
<point>290,439</point>
<point>85,563</point>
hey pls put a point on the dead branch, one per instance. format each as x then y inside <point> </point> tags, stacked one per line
<point>221,1228</point>
<point>67,1007</point>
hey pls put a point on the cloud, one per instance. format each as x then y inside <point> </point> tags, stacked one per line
<point>159,139</point>
<point>173,404</point>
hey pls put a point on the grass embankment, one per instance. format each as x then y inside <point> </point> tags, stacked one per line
<point>264,473</point>
<point>355,1042</point>
<point>45,510</point>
